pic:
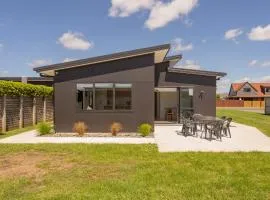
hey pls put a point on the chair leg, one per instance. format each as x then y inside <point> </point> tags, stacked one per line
<point>229,131</point>
<point>183,127</point>
<point>225,131</point>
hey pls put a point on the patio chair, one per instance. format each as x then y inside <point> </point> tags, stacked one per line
<point>189,127</point>
<point>196,117</point>
<point>226,127</point>
<point>215,128</point>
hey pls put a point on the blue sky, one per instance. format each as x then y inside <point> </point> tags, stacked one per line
<point>229,36</point>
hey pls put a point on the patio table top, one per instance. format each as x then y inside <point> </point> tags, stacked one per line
<point>206,119</point>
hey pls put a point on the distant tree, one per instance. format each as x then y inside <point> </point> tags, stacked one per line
<point>218,96</point>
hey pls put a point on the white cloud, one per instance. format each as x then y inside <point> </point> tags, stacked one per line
<point>179,45</point>
<point>232,34</point>
<point>39,62</point>
<point>223,85</point>
<point>189,64</point>
<point>260,33</point>
<point>124,8</point>
<point>253,62</point>
<point>163,13</point>
<point>259,64</point>
<point>68,59</point>
<point>75,41</point>
<point>266,64</point>
<point>1,45</point>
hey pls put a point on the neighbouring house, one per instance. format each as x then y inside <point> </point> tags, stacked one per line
<point>132,87</point>
<point>47,81</point>
<point>253,94</point>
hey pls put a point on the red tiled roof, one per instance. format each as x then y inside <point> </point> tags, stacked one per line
<point>257,86</point>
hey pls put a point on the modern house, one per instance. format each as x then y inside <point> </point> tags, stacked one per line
<point>253,94</point>
<point>131,87</point>
<point>47,81</point>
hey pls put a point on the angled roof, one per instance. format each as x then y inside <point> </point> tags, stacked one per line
<point>258,87</point>
<point>197,72</point>
<point>160,52</point>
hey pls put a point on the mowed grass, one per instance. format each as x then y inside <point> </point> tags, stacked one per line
<point>258,120</point>
<point>83,171</point>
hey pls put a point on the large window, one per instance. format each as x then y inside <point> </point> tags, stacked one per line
<point>85,96</point>
<point>122,96</point>
<point>104,96</point>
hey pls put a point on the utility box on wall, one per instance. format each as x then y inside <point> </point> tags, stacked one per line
<point>267,105</point>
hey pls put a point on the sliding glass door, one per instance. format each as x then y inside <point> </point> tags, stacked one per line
<point>186,101</point>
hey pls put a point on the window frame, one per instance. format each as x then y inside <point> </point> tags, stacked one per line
<point>94,98</point>
<point>247,88</point>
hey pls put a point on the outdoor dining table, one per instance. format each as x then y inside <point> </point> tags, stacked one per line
<point>206,120</point>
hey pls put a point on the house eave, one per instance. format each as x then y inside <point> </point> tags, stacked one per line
<point>197,72</point>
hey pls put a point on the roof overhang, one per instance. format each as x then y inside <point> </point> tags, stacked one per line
<point>173,59</point>
<point>218,75</point>
<point>159,52</point>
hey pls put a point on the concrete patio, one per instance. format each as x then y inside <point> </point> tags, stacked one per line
<point>244,138</point>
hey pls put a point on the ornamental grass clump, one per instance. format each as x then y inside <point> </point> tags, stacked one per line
<point>80,128</point>
<point>145,129</point>
<point>44,128</point>
<point>115,128</point>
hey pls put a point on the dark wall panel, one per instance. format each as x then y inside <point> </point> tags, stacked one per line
<point>206,84</point>
<point>138,70</point>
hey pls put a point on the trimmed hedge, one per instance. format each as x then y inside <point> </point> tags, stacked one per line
<point>11,88</point>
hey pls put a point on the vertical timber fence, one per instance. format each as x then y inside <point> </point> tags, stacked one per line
<point>18,112</point>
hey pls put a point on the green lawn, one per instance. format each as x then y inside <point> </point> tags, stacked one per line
<point>16,131</point>
<point>83,171</point>
<point>260,121</point>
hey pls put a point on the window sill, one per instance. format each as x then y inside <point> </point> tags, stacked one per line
<point>105,111</point>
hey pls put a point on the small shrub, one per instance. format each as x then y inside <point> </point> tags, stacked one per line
<point>115,128</point>
<point>145,129</point>
<point>44,128</point>
<point>80,128</point>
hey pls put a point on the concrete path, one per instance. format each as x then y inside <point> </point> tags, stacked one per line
<point>244,138</point>
<point>31,137</point>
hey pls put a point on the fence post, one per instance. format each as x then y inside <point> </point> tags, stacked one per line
<point>21,112</point>
<point>4,114</point>
<point>44,108</point>
<point>34,111</point>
